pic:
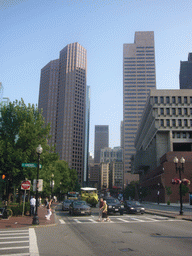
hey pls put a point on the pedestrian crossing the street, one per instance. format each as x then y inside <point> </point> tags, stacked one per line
<point>114,219</point>
<point>14,242</point>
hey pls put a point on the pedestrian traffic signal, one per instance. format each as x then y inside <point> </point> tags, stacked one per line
<point>3,176</point>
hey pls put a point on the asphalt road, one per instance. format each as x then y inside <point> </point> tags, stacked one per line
<point>124,235</point>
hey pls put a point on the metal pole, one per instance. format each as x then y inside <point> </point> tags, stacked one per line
<point>36,218</point>
<point>180,192</point>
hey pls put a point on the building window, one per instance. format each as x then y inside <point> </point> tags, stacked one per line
<point>162,111</point>
<point>167,99</point>
<point>173,99</point>
<point>173,135</point>
<point>191,122</point>
<point>179,122</point>
<point>168,122</point>
<point>179,111</point>
<point>155,99</point>
<point>190,99</point>
<point>184,135</point>
<point>185,111</point>
<point>185,99</point>
<point>178,135</point>
<point>161,99</point>
<point>190,111</point>
<point>173,111</point>
<point>179,99</point>
<point>162,122</point>
<point>173,122</point>
<point>190,135</point>
<point>167,111</point>
<point>185,122</point>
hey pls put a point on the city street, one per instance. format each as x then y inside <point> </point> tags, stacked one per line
<point>127,234</point>
<point>124,235</point>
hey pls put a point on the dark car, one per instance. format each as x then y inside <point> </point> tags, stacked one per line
<point>133,207</point>
<point>65,205</point>
<point>114,205</point>
<point>79,208</point>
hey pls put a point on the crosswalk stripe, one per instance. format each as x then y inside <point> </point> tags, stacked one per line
<point>13,242</point>
<point>14,248</point>
<point>3,238</point>
<point>137,219</point>
<point>24,231</point>
<point>77,220</point>
<point>150,218</point>
<point>92,220</point>
<point>13,234</point>
<point>62,221</point>
<point>123,220</point>
<point>16,254</point>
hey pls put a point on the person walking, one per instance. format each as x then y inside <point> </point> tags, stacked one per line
<point>32,205</point>
<point>104,213</point>
<point>49,211</point>
<point>100,208</point>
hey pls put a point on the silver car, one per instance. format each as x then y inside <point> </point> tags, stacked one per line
<point>65,204</point>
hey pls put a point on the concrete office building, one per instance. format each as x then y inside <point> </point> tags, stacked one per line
<point>87,125</point>
<point>101,140</point>
<point>138,78</point>
<point>108,155</point>
<point>116,174</point>
<point>48,96</point>
<point>104,175</point>
<point>166,125</point>
<point>122,135</point>
<point>185,76</point>
<point>69,120</point>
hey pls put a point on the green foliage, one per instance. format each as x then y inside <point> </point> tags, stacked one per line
<point>168,202</point>
<point>130,190</point>
<point>184,189</point>
<point>168,190</point>
<point>17,209</point>
<point>92,201</point>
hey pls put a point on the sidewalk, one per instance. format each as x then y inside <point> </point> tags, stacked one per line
<point>26,221</point>
<point>174,213</point>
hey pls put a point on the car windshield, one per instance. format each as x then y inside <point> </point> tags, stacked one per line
<point>112,200</point>
<point>68,201</point>
<point>135,203</point>
<point>80,203</point>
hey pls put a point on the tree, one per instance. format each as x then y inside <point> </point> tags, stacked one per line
<point>169,192</point>
<point>130,190</point>
<point>22,129</point>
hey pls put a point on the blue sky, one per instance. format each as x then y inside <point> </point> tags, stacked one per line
<point>32,32</point>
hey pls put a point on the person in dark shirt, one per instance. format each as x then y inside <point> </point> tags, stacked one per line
<point>100,208</point>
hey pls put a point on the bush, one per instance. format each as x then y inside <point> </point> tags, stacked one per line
<point>17,209</point>
<point>168,202</point>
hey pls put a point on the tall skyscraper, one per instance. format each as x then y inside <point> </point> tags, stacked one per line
<point>185,76</point>
<point>138,78</point>
<point>101,140</point>
<point>69,104</point>
<point>48,96</point>
<point>87,124</point>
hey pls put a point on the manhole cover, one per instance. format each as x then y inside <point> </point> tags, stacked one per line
<point>126,250</point>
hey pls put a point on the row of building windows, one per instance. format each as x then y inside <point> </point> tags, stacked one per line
<point>184,135</point>
<point>176,122</point>
<point>172,99</point>
<point>175,111</point>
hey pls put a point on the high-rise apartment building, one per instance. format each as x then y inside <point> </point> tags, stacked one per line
<point>185,76</point>
<point>48,96</point>
<point>138,78</point>
<point>63,96</point>
<point>101,140</point>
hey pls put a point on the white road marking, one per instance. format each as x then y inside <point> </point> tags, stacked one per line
<point>92,220</point>
<point>13,234</point>
<point>14,248</point>
<point>13,242</point>
<point>15,237</point>
<point>123,220</point>
<point>150,218</point>
<point>61,221</point>
<point>24,231</point>
<point>16,254</point>
<point>77,220</point>
<point>137,219</point>
<point>33,248</point>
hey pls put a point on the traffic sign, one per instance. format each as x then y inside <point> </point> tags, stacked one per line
<point>30,165</point>
<point>25,185</point>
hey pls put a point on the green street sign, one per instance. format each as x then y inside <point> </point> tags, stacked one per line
<point>30,165</point>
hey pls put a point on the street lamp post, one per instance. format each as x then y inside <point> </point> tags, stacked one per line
<point>52,184</point>
<point>158,193</point>
<point>39,150</point>
<point>180,169</point>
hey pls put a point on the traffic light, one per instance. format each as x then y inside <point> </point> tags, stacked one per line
<point>3,176</point>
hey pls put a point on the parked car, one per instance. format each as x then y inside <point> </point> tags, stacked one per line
<point>114,205</point>
<point>133,207</point>
<point>65,205</point>
<point>79,208</point>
